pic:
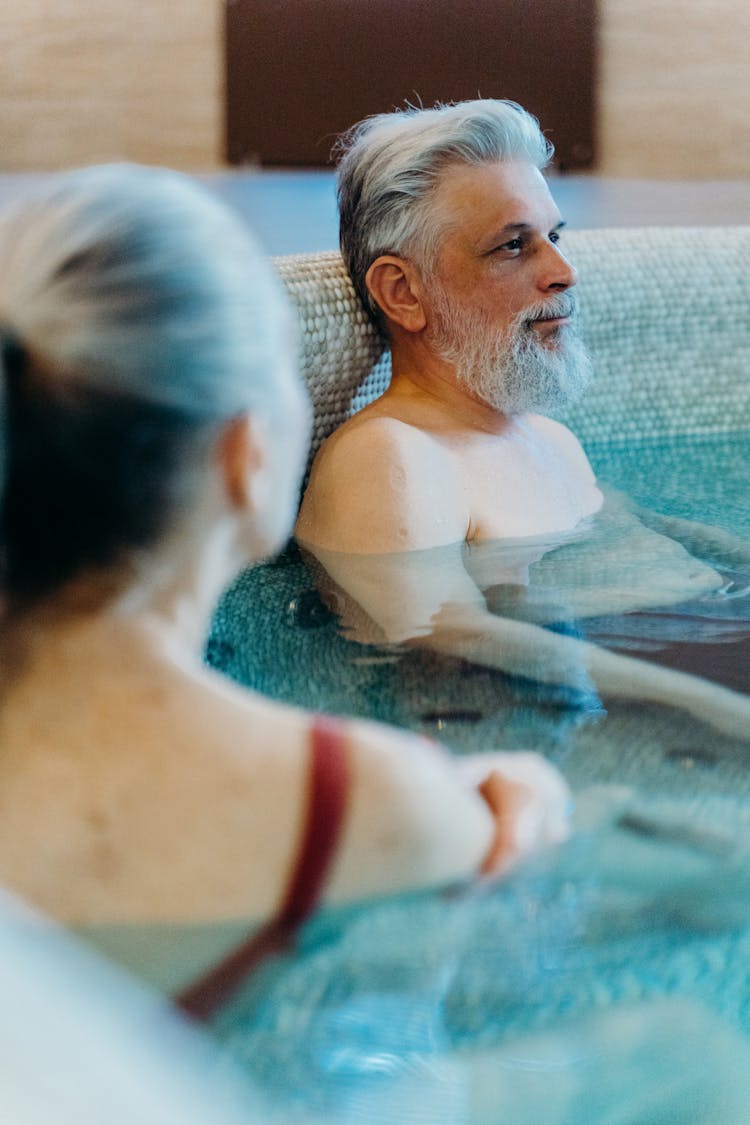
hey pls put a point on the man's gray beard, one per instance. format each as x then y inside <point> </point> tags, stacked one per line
<point>513,371</point>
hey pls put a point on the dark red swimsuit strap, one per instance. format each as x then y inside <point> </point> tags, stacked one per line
<point>327,793</point>
<point>328,789</point>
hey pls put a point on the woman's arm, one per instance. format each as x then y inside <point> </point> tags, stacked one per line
<point>419,818</point>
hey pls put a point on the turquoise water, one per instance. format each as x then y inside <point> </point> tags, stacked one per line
<point>703,477</point>
<point>648,902</point>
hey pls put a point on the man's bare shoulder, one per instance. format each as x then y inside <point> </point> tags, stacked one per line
<point>376,430</point>
<point>379,483</point>
<point>564,440</point>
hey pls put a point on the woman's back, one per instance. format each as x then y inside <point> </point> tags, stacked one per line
<point>141,792</point>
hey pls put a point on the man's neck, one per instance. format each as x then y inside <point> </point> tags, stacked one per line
<point>420,375</point>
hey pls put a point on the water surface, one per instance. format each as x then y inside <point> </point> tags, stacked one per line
<point>647,905</point>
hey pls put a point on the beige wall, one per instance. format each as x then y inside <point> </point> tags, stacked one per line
<point>90,80</point>
<point>675,88</point>
<point>85,80</point>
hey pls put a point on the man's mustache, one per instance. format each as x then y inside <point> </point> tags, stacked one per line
<point>562,305</point>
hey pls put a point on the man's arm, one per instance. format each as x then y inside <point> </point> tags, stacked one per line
<point>428,598</point>
<point>384,517</point>
<point>380,485</point>
<point>701,539</point>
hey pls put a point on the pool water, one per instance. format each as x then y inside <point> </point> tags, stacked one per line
<point>649,902</point>
<point>702,477</point>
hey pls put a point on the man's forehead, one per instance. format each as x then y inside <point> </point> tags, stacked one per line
<point>497,195</point>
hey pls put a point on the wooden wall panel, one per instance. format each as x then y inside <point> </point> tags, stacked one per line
<point>302,71</point>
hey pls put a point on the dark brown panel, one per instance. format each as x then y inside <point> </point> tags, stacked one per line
<point>301,71</point>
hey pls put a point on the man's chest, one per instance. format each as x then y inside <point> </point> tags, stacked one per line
<point>517,490</point>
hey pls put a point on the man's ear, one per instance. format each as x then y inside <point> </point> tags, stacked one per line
<point>243,461</point>
<point>396,288</point>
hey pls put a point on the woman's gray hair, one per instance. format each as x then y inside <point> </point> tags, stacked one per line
<point>137,315</point>
<point>389,166</point>
<point>136,281</point>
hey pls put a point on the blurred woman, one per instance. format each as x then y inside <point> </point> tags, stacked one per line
<point>153,435</point>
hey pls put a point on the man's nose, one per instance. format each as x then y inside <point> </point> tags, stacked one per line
<point>556,272</point>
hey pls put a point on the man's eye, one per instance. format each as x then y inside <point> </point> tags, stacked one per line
<point>554,236</point>
<point>514,244</point>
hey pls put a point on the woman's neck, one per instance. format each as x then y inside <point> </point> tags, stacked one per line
<point>169,594</point>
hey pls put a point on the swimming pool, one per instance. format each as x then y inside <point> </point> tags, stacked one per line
<point>649,901</point>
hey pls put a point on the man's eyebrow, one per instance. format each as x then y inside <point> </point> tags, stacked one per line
<point>518,228</point>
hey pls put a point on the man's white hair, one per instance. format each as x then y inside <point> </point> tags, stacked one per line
<point>390,165</point>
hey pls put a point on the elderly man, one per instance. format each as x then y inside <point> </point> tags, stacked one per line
<point>453,243</point>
